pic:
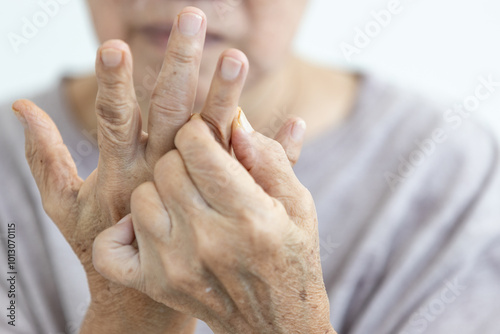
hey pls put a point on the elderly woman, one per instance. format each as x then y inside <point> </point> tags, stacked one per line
<point>213,222</point>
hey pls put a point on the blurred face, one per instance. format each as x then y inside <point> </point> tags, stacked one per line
<point>262,29</point>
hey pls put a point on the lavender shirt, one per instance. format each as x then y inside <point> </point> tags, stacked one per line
<point>408,202</point>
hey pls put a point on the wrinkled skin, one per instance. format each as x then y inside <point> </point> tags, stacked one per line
<point>235,245</point>
<point>81,209</point>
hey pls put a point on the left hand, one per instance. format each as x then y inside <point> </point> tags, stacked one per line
<point>234,244</point>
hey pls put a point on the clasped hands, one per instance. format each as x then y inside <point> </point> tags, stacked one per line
<point>201,234</point>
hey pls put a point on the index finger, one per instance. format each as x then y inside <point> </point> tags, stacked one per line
<point>221,180</point>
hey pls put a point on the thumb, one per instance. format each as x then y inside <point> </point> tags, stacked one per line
<point>114,256</point>
<point>50,162</point>
<point>268,163</point>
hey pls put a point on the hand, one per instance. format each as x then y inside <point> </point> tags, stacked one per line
<point>232,243</point>
<point>82,209</point>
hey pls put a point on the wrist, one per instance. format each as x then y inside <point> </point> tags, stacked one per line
<point>245,327</point>
<point>118,309</point>
<point>313,319</point>
<point>136,320</point>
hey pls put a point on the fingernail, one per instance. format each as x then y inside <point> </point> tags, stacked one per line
<point>230,68</point>
<point>298,130</point>
<point>21,118</point>
<point>111,57</point>
<point>124,219</point>
<point>242,119</point>
<point>190,23</point>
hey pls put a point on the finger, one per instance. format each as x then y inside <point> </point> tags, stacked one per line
<point>50,162</point>
<point>291,138</point>
<point>118,114</point>
<point>222,182</point>
<point>176,189</point>
<point>221,106</point>
<point>151,220</point>
<point>174,94</point>
<point>268,164</point>
<point>114,257</point>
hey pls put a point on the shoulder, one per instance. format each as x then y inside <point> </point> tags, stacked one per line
<point>427,139</point>
<point>402,137</point>
<point>411,187</point>
<point>431,164</point>
<point>399,157</point>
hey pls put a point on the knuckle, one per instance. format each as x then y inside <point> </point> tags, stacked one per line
<point>246,215</point>
<point>169,104</point>
<point>275,147</point>
<point>258,225</point>
<point>211,253</point>
<point>307,199</point>
<point>182,55</point>
<point>266,242</point>
<point>301,195</point>
<point>110,141</point>
<point>271,147</point>
<point>114,109</point>
<point>264,227</point>
<point>210,245</point>
<point>113,81</point>
<point>178,276</point>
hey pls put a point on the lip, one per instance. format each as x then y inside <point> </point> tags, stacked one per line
<point>159,35</point>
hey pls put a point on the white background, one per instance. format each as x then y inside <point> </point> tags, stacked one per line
<point>436,47</point>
